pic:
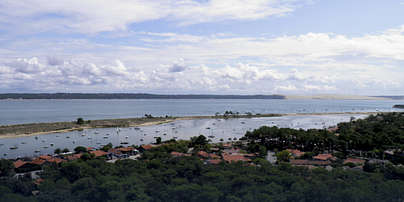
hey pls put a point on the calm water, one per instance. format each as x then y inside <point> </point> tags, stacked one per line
<point>217,129</point>
<point>31,111</point>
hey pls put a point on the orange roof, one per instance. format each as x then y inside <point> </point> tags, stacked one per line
<point>98,153</point>
<point>147,146</point>
<point>214,161</point>
<point>126,149</point>
<point>354,161</point>
<point>324,157</point>
<point>73,157</point>
<point>90,148</point>
<point>235,158</point>
<point>55,160</point>
<point>19,163</point>
<point>203,154</point>
<point>45,157</point>
<point>38,161</point>
<point>295,152</point>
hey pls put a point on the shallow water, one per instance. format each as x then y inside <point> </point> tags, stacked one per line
<point>183,129</point>
<point>33,111</point>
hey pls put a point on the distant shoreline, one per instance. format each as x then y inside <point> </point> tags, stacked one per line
<point>33,129</point>
<point>107,96</point>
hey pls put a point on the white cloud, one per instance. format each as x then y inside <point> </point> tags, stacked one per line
<point>93,16</point>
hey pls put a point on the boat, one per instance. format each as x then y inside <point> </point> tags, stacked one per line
<point>45,147</point>
<point>36,137</point>
<point>105,137</point>
<point>124,142</point>
<point>23,143</point>
<point>67,137</point>
<point>211,136</point>
<point>141,140</point>
<point>13,147</point>
<point>37,151</point>
<point>208,128</point>
<point>126,137</point>
<point>51,144</point>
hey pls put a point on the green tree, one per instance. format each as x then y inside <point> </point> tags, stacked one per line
<point>80,149</point>
<point>58,151</point>
<point>6,167</point>
<point>80,121</point>
<point>283,156</point>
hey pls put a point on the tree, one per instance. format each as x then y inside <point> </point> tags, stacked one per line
<point>80,149</point>
<point>65,150</point>
<point>283,156</point>
<point>80,121</point>
<point>158,140</point>
<point>58,151</point>
<point>6,167</point>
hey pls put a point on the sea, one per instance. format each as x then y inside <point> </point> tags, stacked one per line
<point>217,130</point>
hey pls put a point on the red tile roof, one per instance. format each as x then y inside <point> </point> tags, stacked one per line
<point>147,146</point>
<point>38,161</point>
<point>90,148</point>
<point>324,157</point>
<point>214,161</point>
<point>203,154</point>
<point>98,153</point>
<point>19,163</point>
<point>73,157</point>
<point>295,152</point>
<point>45,157</point>
<point>55,160</point>
<point>354,161</point>
<point>235,158</point>
<point>126,149</point>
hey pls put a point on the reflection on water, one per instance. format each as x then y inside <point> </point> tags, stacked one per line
<point>216,129</point>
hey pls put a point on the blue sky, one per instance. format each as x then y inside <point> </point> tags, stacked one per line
<point>209,46</point>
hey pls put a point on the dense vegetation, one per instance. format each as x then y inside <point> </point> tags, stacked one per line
<point>129,96</point>
<point>158,176</point>
<point>370,137</point>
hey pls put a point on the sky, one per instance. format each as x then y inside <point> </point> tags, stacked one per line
<point>289,47</point>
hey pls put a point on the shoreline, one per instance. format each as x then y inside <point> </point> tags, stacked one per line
<point>33,129</point>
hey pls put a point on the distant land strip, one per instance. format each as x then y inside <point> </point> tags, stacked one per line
<point>129,96</point>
